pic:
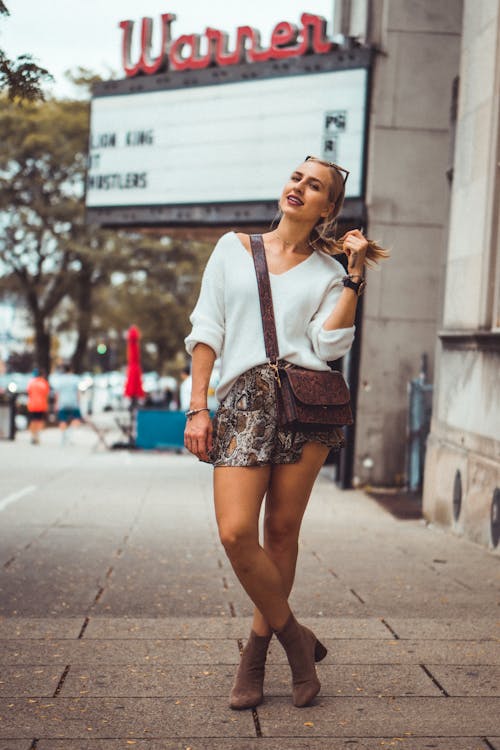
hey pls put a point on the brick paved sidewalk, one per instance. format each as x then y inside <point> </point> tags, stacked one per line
<point>121,621</point>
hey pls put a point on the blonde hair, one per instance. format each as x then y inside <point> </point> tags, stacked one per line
<point>322,236</point>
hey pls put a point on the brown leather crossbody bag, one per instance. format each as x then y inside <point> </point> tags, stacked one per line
<point>313,399</point>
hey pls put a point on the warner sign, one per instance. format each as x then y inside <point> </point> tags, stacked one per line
<point>184,53</point>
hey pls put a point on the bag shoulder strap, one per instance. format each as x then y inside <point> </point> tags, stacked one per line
<point>265,297</point>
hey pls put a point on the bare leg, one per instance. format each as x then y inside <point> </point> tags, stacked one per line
<point>36,426</point>
<point>287,498</point>
<point>238,498</point>
<point>238,493</point>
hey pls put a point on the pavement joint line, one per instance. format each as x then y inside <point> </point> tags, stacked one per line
<point>44,531</point>
<point>61,681</point>
<point>187,738</point>
<point>333,573</point>
<point>434,680</point>
<point>256,721</point>
<point>354,593</point>
<point>442,571</point>
<point>83,628</point>
<point>391,630</point>
<point>120,550</point>
<point>461,583</point>
<point>5,501</point>
<point>100,592</point>
<point>339,578</point>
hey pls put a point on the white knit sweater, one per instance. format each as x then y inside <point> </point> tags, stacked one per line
<point>227,313</point>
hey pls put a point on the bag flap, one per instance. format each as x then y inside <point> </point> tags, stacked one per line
<point>323,388</point>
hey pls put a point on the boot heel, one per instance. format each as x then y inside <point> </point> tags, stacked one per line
<point>320,651</point>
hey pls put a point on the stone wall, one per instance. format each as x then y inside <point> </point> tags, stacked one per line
<point>464,445</point>
<point>408,207</point>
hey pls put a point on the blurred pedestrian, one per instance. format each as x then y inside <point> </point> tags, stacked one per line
<point>67,402</point>
<point>38,404</point>
<point>253,455</point>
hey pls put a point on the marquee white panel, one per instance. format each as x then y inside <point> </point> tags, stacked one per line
<point>223,143</point>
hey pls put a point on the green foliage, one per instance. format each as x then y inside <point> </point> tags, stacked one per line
<point>83,78</point>
<point>157,293</point>
<point>41,166</point>
<point>22,78</point>
<point>71,276</point>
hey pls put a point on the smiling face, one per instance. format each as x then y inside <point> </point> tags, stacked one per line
<point>309,194</point>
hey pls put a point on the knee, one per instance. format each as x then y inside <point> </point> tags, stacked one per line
<point>281,534</point>
<point>235,539</point>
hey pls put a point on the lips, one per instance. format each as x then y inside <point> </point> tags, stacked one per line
<point>294,200</point>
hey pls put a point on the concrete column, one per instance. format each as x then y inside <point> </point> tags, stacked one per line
<point>407,197</point>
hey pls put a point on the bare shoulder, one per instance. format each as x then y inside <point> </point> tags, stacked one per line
<point>245,240</point>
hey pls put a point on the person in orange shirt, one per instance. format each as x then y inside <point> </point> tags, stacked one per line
<point>38,404</point>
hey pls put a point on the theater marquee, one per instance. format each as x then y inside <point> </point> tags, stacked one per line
<point>206,132</point>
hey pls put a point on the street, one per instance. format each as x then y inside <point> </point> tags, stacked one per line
<point>121,620</point>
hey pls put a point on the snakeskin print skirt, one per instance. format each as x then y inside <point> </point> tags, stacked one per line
<point>246,430</point>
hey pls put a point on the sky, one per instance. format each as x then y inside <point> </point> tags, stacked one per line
<point>66,34</point>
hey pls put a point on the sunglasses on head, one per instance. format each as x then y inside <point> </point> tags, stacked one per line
<point>344,173</point>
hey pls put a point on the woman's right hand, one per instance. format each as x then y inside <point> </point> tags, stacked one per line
<point>355,246</point>
<point>198,435</point>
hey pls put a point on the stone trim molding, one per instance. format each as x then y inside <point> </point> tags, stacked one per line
<point>476,340</point>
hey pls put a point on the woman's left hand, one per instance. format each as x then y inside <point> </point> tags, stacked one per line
<point>355,246</point>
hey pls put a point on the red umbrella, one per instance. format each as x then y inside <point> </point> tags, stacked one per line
<point>133,384</point>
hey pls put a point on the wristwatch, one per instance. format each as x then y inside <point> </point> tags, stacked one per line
<point>357,286</point>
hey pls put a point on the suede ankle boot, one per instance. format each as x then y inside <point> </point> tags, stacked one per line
<point>247,690</point>
<point>302,650</point>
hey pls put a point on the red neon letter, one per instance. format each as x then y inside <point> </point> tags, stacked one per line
<point>320,43</point>
<point>193,61</point>
<point>256,53</point>
<point>145,63</point>
<point>284,41</point>
<point>130,70</point>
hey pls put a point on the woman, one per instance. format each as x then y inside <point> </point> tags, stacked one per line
<point>315,306</point>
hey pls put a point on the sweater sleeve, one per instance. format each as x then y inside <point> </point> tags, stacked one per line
<point>207,317</point>
<point>329,345</point>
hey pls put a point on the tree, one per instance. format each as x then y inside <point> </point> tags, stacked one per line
<point>45,246</point>
<point>21,77</point>
<point>41,168</point>
<point>51,256</point>
<point>157,293</point>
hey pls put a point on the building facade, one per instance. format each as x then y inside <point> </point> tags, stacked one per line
<point>428,189</point>
<point>407,199</point>
<point>434,197</point>
<point>462,477</point>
